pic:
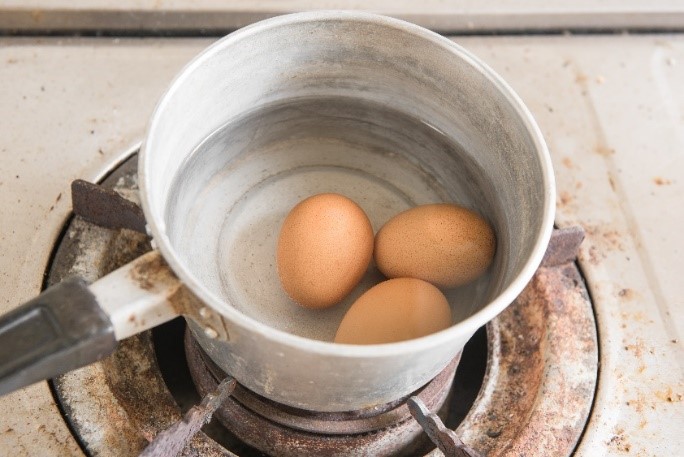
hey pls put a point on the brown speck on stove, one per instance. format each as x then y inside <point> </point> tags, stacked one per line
<point>660,181</point>
<point>565,198</point>
<point>627,294</point>
<point>606,236</point>
<point>567,162</point>
<point>604,150</point>
<point>669,395</point>
<point>637,348</point>
<point>594,256</point>
<point>619,441</point>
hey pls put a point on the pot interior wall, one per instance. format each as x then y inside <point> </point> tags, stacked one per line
<point>381,114</point>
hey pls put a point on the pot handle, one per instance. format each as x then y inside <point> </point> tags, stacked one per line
<point>71,324</point>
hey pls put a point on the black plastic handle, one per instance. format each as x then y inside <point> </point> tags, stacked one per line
<point>62,329</point>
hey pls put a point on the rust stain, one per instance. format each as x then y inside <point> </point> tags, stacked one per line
<point>136,400</point>
<point>152,272</point>
<point>567,162</point>
<point>627,294</point>
<point>51,434</point>
<point>659,181</point>
<point>593,255</point>
<point>581,78</point>
<point>669,395</point>
<point>619,442</point>
<point>605,236</point>
<point>590,230</point>
<point>637,317</point>
<point>604,150</point>
<point>611,181</point>
<point>637,348</point>
<point>565,198</point>
<point>90,382</point>
<point>548,314</point>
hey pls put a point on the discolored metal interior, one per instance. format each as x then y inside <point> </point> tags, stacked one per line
<point>541,364</point>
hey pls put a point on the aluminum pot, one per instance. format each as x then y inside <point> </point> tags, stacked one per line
<point>386,112</point>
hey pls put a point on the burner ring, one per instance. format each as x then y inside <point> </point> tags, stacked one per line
<point>207,376</point>
<point>285,431</point>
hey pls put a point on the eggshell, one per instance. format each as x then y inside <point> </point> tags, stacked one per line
<point>324,248</point>
<point>395,310</point>
<point>444,244</point>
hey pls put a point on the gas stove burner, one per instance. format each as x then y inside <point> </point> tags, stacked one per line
<point>533,398</point>
<point>277,429</point>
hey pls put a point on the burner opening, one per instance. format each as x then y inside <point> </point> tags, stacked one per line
<point>468,380</point>
<point>176,372</point>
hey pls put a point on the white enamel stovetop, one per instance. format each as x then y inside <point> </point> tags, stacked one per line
<point>611,108</point>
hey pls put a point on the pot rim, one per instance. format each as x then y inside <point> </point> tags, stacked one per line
<point>466,327</point>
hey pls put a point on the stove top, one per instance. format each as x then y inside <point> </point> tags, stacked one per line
<point>541,351</point>
<point>611,108</point>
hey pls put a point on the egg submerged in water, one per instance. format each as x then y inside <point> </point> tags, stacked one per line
<point>445,244</point>
<point>395,310</point>
<point>324,248</point>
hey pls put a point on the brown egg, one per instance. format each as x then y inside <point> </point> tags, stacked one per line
<point>324,248</point>
<point>395,310</point>
<point>444,244</point>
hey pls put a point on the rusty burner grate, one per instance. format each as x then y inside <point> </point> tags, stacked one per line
<point>524,388</point>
